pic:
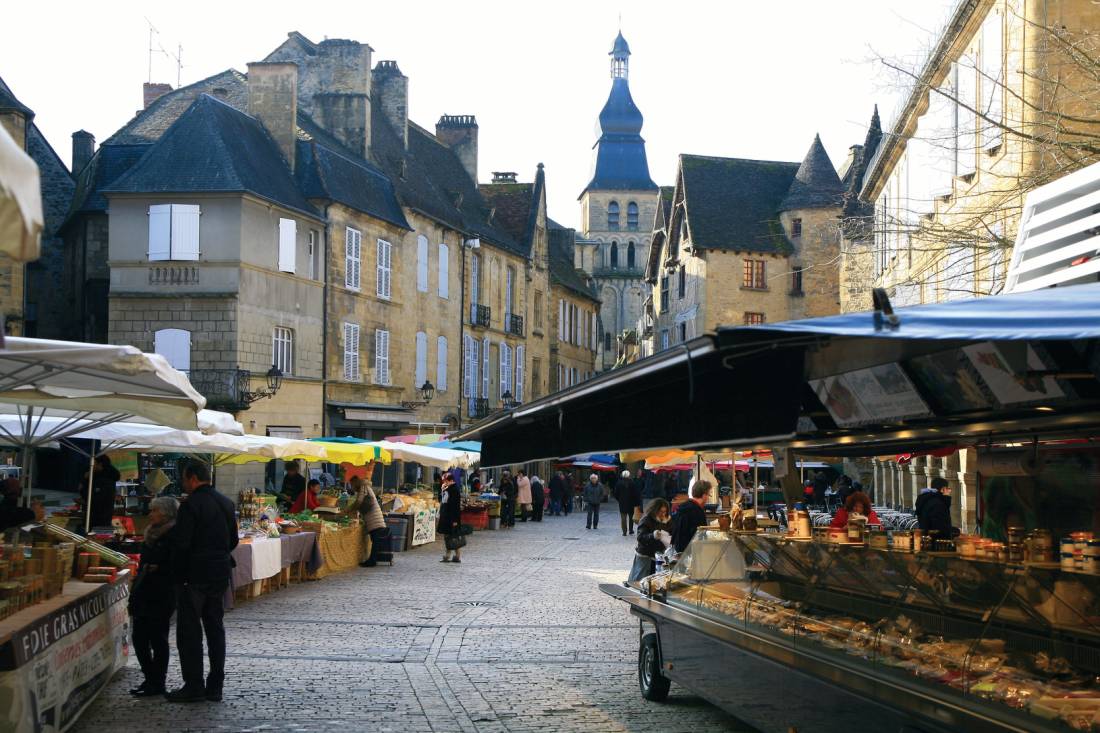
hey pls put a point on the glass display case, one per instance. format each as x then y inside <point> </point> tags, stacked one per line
<point>1016,644</point>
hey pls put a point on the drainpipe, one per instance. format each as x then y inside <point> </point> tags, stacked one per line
<point>461,327</point>
<point>324,323</point>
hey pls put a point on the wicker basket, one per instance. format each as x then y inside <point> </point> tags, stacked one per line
<point>289,530</point>
<point>317,527</point>
<point>329,501</point>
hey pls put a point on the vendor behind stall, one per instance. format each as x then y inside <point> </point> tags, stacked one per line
<point>856,503</point>
<point>104,478</point>
<point>308,498</point>
<point>690,515</point>
<point>294,483</point>
<point>13,515</point>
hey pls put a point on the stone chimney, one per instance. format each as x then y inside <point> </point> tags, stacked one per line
<point>152,92</point>
<point>339,78</point>
<point>391,88</point>
<point>273,100</point>
<point>459,133</point>
<point>83,150</point>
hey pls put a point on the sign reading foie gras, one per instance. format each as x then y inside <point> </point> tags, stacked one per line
<point>424,522</point>
<point>864,396</point>
<point>62,661</point>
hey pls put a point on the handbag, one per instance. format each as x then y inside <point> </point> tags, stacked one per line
<point>454,541</point>
<point>637,514</point>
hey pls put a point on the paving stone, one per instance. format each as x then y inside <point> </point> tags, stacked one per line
<point>515,638</point>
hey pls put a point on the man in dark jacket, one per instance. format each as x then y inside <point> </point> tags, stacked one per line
<point>204,538</point>
<point>593,496</point>
<point>821,485</point>
<point>690,516</point>
<point>294,483</point>
<point>557,490</point>
<point>934,509</point>
<point>508,493</point>
<point>624,494</point>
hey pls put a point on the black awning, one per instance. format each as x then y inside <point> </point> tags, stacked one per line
<point>682,397</point>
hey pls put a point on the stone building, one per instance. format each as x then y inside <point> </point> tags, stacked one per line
<point>617,206</point>
<point>1000,106</point>
<point>509,299</point>
<point>30,302</point>
<point>744,242</point>
<point>574,313</point>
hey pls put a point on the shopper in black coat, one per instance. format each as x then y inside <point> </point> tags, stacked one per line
<point>653,538</point>
<point>450,515</point>
<point>104,479</point>
<point>538,499</point>
<point>628,498</point>
<point>202,563</point>
<point>508,493</point>
<point>934,509</point>
<point>690,516</point>
<point>152,598</point>
<point>557,490</point>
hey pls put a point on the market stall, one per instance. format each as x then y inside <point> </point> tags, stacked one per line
<point>986,632</point>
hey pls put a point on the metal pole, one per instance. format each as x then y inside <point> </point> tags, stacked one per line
<point>755,485</point>
<point>88,502</point>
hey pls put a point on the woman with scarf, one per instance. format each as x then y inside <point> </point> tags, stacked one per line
<point>653,538</point>
<point>152,599</point>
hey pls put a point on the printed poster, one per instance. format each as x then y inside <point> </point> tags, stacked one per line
<point>877,394</point>
<point>1004,367</point>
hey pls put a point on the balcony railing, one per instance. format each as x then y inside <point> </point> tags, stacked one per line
<point>224,389</point>
<point>480,315</point>
<point>478,407</point>
<point>515,324</point>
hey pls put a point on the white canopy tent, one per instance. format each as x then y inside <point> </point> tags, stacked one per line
<point>435,457</point>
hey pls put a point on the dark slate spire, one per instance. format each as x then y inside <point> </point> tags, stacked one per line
<point>853,205</point>
<point>620,162</point>
<point>816,185</point>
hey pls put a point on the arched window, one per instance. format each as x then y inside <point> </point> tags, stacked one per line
<point>630,256</point>
<point>614,255</point>
<point>613,215</point>
<point>599,257</point>
<point>632,216</point>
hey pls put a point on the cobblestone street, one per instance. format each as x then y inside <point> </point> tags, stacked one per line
<point>516,638</point>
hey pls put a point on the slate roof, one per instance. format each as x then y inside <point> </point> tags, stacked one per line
<point>733,203</point>
<point>213,147</point>
<point>816,185</point>
<point>56,183</point>
<point>108,163</point>
<point>854,204</point>
<point>8,101</point>
<point>323,173</point>
<point>148,125</point>
<point>562,271</point>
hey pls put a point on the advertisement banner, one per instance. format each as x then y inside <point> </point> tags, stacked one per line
<point>424,523</point>
<point>55,666</point>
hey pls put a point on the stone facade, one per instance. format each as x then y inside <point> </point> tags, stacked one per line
<point>621,287</point>
<point>947,187</point>
<point>575,329</point>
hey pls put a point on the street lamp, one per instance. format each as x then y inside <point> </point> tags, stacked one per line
<point>509,401</point>
<point>426,392</point>
<point>274,382</point>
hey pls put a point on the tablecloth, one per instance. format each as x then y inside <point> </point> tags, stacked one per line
<point>261,558</point>
<point>301,546</point>
<point>341,549</point>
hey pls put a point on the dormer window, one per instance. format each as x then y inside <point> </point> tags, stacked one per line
<point>613,216</point>
<point>796,227</point>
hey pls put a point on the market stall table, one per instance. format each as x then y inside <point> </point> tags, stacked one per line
<point>340,549</point>
<point>300,550</point>
<point>255,561</point>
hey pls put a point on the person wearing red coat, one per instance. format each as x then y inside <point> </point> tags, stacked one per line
<point>857,502</point>
<point>307,499</point>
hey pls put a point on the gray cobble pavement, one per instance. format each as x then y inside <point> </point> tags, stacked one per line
<point>515,638</point>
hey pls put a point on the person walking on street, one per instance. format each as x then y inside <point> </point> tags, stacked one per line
<point>557,490</point>
<point>508,492</point>
<point>653,538</point>
<point>538,499</point>
<point>152,600</point>
<point>523,494</point>
<point>450,519</point>
<point>934,509</point>
<point>569,490</point>
<point>624,494</point>
<point>370,515</point>
<point>593,495</point>
<point>203,540</point>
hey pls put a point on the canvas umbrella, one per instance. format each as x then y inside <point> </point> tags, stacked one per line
<point>434,457</point>
<point>21,218</point>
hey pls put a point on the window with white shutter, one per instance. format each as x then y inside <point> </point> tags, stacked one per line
<point>444,271</point>
<point>351,352</point>
<point>173,232</point>
<point>520,373</point>
<point>353,240</point>
<point>422,263</point>
<point>383,289</point>
<point>441,364</point>
<point>561,319</point>
<point>469,366</point>
<point>421,375</point>
<point>505,384</point>
<point>282,350</point>
<point>382,357</point>
<point>485,367</point>
<point>288,235</point>
<point>475,285</point>
<point>509,296</point>
<point>174,344</point>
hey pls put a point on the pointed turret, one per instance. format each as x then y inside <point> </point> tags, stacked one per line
<point>854,206</point>
<point>621,162</point>
<point>816,185</point>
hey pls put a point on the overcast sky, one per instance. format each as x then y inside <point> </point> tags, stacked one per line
<point>729,78</point>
